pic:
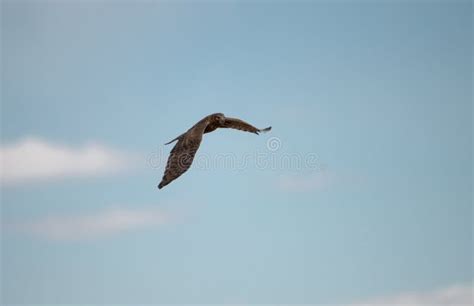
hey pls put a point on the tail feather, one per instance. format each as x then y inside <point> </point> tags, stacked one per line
<point>265,129</point>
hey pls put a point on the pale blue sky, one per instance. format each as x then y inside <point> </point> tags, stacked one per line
<point>380,93</point>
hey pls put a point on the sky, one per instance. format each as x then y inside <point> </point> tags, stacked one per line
<point>360,193</point>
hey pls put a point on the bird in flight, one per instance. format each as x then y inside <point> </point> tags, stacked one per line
<point>182,154</point>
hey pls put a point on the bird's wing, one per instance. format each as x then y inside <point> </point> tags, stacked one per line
<point>181,157</point>
<point>211,127</point>
<point>234,123</point>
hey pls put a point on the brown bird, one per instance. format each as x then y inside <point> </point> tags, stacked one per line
<point>182,154</point>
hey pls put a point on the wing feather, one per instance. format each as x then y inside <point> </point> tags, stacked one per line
<point>234,123</point>
<point>180,159</point>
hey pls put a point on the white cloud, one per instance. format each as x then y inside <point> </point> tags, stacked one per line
<point>105,223</point>
<point>36,159</point>
<point>457,295</point>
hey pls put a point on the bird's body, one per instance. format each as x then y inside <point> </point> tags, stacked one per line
<point>182,154</point>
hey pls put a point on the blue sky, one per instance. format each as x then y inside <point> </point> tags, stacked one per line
<point>379,94</point>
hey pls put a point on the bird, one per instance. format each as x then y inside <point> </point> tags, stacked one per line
<point>182,155</point>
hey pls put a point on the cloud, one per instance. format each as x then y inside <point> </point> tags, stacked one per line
<point>36,159</point>
<point>99,225</point>
<point>456,295</point>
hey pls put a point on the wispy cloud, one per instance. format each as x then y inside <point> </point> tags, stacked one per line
<point>456,295</point>
<point>106,223</point>
<point>37,159</point>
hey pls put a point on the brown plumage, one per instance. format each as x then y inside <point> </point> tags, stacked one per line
<point>182,154</point>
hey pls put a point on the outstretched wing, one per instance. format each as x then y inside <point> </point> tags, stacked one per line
<point>180,159</point>
<point>234,123</point>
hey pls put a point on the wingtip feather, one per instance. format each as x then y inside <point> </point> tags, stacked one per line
<point>266,129</point>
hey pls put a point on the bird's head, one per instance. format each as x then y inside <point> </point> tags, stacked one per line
<point>219,117</point>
